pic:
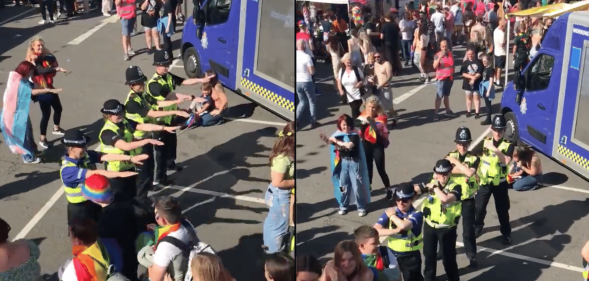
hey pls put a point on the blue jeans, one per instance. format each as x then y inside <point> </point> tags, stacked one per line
<point>406,45</point>
<point>526,183</point>
<point>29,143</point>
<point>276,223</point>
<point>210,120</point>
<point>449,37</point>
<point>350,177</point>
<point>306,95</point>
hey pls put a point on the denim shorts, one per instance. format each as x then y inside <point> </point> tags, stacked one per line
<point>128,26</point>
<point>443,87</point>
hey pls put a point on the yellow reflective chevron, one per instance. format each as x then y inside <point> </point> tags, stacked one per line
<point>127,135</point>
<point>491,170</point>
<point>469,185</point>
<point>168,83</point>
<point>439,215</point>
<point>132,96</point>
<point>73,194</point>
<point>401,244</point>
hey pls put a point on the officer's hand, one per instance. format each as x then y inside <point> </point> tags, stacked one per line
<point>127,174</point>
<point>199,99</point>
<point>390,211</point>
<point>490,146</point>
<point>183,113</point>
<point>155,142</point>
<point>451,159</point>
<point>171,129</point>
<point>138,159</point>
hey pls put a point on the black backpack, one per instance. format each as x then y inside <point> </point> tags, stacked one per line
<point>358,78</point>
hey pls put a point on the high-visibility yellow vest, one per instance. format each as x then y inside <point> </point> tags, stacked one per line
<point>127,135</point>
<point>132,96</point>
<point>408,243</point>
<point>439,215</point>
<point>491,170</point>
<point>469,185</point>
<point>168,83</point>
<point>73,194</point>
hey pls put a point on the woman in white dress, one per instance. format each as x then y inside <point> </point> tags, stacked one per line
<point>354,47</point>
<point>335,49</point>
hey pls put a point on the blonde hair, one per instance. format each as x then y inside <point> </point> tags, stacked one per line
<point>346,57</point>
<point>370,55</point>
<point>30,52</point>
<point>209,267</point>
<point>376,102</point>
<point>365,41</point>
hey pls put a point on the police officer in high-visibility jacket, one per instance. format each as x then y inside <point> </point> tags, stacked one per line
<point>403,227</point>
<point>79,164</point>
<point>492,173</point>
<point>464,173</point>
<point>160,90</point>
<point>442,211</point>
<point>139,110</point>
<point>116,136</point>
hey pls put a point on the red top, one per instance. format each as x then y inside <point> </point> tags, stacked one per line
<point>303,36</point>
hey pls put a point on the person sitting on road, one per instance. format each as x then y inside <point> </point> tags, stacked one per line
<point>219,101</point>
<point>18,259</point>
<point>526,169</point>
<point>347,262</point>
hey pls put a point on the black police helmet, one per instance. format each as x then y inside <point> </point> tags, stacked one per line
<point>463,135</point>
<point>134,75</point>
<point>162,58</point>
<point>112,107</point>
<point>443,166</point>
<point>75,138</point>
<point>498,122</point>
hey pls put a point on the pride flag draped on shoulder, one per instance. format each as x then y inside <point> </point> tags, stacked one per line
<point>15,112</point>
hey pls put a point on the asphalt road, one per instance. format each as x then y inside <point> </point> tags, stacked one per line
<point>225,167</point>
<point>548,224</point>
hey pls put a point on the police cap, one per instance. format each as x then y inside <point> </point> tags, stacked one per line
<point>498,122</point>
<point>162,58</point>
<point>112,107</point>
<point>463,135</point>
<point>134,75</point>
<point>405,191</point>
<point>443,166</point>
<point>75,138</point>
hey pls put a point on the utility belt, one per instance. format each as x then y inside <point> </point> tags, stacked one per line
<point>436,225</point>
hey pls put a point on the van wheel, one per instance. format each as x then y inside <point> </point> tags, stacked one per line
<point>511,130</point>
<point>192,63</point>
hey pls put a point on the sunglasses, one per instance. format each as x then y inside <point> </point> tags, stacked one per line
<point>404,200</point>
<point>377,57</point>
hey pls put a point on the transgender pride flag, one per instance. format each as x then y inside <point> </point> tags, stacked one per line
<point>15,113</point>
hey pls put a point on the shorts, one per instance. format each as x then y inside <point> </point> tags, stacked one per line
<point>500,61</point>
<point>443,88</point>
<point>128,25</point>
<point>471,92</point>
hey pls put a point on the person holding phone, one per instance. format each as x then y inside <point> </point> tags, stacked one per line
<point>444,66</point>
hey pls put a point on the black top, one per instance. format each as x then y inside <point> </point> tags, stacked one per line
<point>355,151</point>
<point>40,69</point>
<point>169,7</point>
<point>521,42</point>
<point>390,33</point>
<point>109,137</point>
<point>509,152</point>
<point>476,47</point>
<point>488,72</point>
<point>134,107</point>
<point>326,25</point>
<point>157,90</point>
<point>471,67</point>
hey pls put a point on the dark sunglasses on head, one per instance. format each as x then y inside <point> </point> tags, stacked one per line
<point>405,200</point>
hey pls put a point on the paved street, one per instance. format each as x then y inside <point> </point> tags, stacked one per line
<point>225,167</point>
<point>548,224</point>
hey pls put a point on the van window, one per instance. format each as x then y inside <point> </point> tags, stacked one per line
<point>581,129</point>
<point>539,73</point>
<point>218,11</point>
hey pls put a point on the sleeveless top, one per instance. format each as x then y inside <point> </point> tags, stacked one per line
<point>28,271</point>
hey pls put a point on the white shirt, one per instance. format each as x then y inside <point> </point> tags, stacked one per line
<point>457,13</point>
<point>303,62</point>
<point>349,81</point>
<point>409,27</point>
<point>499,40</point>
<point>166,252</point>
<point>69,273</point>
<point>438,20</point>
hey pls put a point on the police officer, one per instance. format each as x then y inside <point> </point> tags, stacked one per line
<point>402,225</point>
<point>492,173</point>
<point>464,173</point>
<point>79,164</point>
<point>116,136</point>
<point>139,110</point>
<point>521,51</point>
<point>160,91</point>
<point>442,210</point>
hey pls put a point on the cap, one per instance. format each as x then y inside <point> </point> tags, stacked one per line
<point>112,107</point>
<point>463,135</point>
<point>75,138</point>
<point>162,57</point>
<point>134,75</point>
<point>443,166</point>
<point>404,191</point>
<point>302,23</point>
<point>498,122</point>
<point>97,189</point>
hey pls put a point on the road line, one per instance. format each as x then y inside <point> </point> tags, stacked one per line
<point>23,233</point>
<point>217,194</point>
<point>324,79</point>
<point>174,64</point>
<point>568,188</point>
<point>479,139</point>
<point>8,20</point>
<point>257,121</point>
<point>89,33</point>
<point>407,95</point>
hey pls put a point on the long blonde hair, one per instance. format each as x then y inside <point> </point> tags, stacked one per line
<point>209,267</point>
<point>31,53</point>
<point>365,41</point>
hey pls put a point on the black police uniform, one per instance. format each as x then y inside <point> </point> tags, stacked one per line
<point>500,192</point>
<point>145,176</point>
<point>165,156</point>
<point>521,42</point>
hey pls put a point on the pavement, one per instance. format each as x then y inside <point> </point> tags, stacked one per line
<point>548,224</point>
<point>221,188</point>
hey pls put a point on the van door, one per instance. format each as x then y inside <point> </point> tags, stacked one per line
<point>539,101</point>
<point>217,39</point>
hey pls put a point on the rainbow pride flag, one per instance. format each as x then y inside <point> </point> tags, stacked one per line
<point>15,113</point>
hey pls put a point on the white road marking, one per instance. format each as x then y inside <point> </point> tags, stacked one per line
<point>175,64</point>
<point>480,138</point>
<point>23,233</point>
<point>278,124</point>
<point>25,12</point>
<point>569,188</point>
<point>324,79</point>
<point>89,33</point>
<point>407,95</point>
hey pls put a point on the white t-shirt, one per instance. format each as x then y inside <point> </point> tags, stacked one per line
<point>166,252</point>
<point>303,63</point>
<point>499,40</point>
<point>349,80</point>
<point>438,20</point>
<point>69,273</point>
<point>457,13</point>
<point>409,27</point>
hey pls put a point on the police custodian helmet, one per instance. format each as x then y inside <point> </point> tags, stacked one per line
<point>498,122</point>
<point>463,135</point>
<point>134,75</point>
<point>162,58</point>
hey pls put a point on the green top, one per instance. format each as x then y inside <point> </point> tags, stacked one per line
<point>28,271</point>
<point>283,164</point>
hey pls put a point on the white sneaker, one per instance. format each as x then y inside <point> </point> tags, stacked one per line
<point>58,15</point>
<point>37,160</point>
<point>106,14</point>
<point>361,213</point>
<point>130,52</point>
<point>42,22</point>
<point>51,21</point>
<point>342,212</point>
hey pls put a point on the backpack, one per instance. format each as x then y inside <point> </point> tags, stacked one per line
<point>358,78</point>
<point>200,247</point>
